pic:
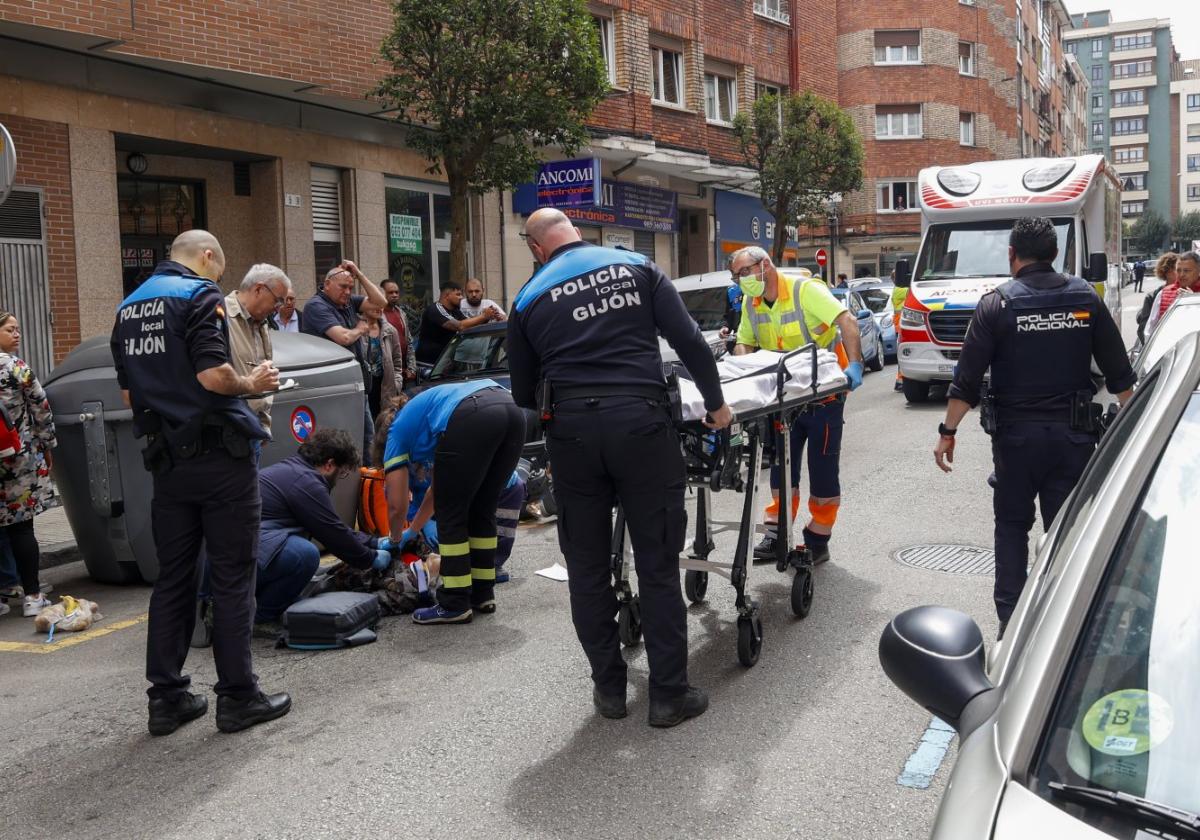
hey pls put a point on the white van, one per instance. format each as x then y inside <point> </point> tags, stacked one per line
<point>967,213</point>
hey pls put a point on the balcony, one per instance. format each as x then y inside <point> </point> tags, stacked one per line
<point>1127,168</point>
<point>1135,195</point>
<point>1130,111</point>
<point>1129,82</point>
<point>1130,140</point>
<point>1131,55</point>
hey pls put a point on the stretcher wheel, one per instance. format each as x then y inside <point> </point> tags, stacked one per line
<point>749,639</point>
<point>629,622</point>
<point>802,592</point>
<point>695,584</point>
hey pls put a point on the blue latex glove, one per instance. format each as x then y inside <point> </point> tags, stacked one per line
<point>854,372</point>
<point>386,544</point>
<point>383,559</point>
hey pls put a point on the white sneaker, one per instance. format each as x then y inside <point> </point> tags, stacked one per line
<point>5,609</point>
<point>34,604</point>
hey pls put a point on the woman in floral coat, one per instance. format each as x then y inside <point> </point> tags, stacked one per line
<point>25,486</point>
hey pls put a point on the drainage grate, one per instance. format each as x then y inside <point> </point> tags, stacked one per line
<point>952,559</point>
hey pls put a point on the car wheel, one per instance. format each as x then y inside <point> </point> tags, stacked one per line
<point>876,363</point>
<point>915,391</point>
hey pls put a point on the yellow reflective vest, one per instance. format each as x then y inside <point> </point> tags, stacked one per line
<point>786,325</point>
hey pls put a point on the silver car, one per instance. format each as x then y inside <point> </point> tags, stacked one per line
<point>1084,722</point>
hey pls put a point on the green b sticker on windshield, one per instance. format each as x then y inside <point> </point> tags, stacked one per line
<point>1127,722</point>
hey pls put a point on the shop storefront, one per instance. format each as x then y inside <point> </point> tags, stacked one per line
<point>742,221</point>
<point>878,258</point>
<point>418,232</point>
<point>607,212</point>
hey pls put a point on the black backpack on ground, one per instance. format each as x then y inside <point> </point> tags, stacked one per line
<point>331,620</point>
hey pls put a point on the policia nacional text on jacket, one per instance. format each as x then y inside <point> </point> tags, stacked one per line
<point>1038,333</point>
<point>586,327</point>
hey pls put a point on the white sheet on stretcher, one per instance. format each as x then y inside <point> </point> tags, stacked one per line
<point>745,393</point>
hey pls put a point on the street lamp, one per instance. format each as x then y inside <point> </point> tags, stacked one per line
<point>833,207</point>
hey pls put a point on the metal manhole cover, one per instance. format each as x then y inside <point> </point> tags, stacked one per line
<point>952,559</point>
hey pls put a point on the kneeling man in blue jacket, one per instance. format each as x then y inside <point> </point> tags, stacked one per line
<point>297,508</point>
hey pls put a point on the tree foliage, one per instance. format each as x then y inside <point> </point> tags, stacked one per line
<point>1186,227</point>
<point>488,84</point>
<point>804,149</point>
<point>1149,232</point>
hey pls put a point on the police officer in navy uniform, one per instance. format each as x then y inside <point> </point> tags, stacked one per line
<point>170,345</point>
<point>583,343</point>
<point>1038,333</point>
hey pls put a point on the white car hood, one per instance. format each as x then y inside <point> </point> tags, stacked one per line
<point>1023,814</point>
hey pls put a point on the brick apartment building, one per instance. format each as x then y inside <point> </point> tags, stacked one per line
<point>939,82</point>
<point>134,122</point>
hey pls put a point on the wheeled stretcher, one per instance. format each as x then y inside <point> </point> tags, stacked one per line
<point>732,459</point>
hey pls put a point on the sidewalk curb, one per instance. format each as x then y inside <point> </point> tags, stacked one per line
<point>59,554</point>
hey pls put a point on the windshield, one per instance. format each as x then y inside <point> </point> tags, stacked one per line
<point>468,354</point>
<point>980,249</point>
<point>877,300</point>
<point>1126,719</point>
<point>707,306</point>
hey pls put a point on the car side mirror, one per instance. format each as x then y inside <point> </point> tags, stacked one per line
<point>903,274</point>
<point>935,656</point>
<point>1097,269</point>
<point>864,313</point>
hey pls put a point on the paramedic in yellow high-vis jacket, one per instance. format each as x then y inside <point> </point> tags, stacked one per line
<point>781,314</point>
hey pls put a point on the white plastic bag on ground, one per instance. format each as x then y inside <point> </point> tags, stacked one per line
<point>68,615</point>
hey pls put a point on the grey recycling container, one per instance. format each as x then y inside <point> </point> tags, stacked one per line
<point>98,464</point>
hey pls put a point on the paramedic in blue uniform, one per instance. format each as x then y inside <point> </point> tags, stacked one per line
<point>586,327</point>
<point>170,345</point>
<point>473,434</point>
<point>1038,333</point>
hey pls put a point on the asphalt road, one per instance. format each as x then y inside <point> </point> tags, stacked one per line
<point>487,730</point>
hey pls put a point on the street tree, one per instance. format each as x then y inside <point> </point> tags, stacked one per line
<point>1186,229</point>
<point>804,149</point>
<point>486,86</point>
<point>1149,232</point>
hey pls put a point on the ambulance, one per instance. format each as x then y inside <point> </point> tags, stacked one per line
<point>967,213</point>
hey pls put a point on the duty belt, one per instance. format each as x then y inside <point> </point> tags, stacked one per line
<point>579,392</point>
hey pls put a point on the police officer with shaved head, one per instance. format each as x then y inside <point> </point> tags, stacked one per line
<point>1038,333</point>
<point>170,345</point>
<point>583,348</point>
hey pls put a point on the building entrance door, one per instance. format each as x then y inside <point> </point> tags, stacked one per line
<point>152,214</point>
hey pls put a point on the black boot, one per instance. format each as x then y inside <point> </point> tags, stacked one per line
<point>818,547</point>
<point>692,703</point>
<point>609,706</point>
<point>169,713</point>
<point>765,550</point>
<point>236,715</point>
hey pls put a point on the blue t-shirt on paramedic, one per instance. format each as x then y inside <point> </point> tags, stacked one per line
<point>414,433</point>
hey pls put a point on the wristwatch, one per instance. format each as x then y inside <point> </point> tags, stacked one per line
<point>944,432</point>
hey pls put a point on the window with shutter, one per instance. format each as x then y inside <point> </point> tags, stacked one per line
<point>326,218</point>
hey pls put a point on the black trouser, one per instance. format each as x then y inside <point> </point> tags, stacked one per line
<point>474,460</point>
<point>603,450</point>
<point>1033,459</point>
<point>25,553</point>
<point>211,498</point>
